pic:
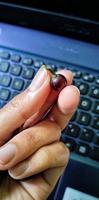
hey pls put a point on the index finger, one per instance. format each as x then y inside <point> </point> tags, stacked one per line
<point>18,110</point>
<point>51,100</point>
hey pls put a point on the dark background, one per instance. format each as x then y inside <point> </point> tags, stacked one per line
<point>77,19</point>
<point>81,8</point>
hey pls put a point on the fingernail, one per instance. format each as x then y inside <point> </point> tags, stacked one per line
<point>7,153</point>
<point>50,69</point>
<point>39,79</point>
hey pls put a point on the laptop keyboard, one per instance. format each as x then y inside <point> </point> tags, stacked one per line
<point>81,136</point>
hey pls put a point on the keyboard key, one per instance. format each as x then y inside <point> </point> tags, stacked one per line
<point>96,122</point>
<point>96,140</point>
<point>18,84</point>
<point>84,118</point>
<point>4,94</point>
<point>74,82</point>
<point>27,84</point>
<point>95,153</point>
<point>51,66</point>
<point>5,80</point>
<point>94,92</point>
<point>63,67</point>
<point>82,149</point>
<point>87,134</point>
<point>77,74</point>
<point>1,103</point>
<point>74,116</point>
<point>4,66</point>
<point>38,63</point>
<point>28,73</point>
<point>96,107</point>
<point>70,144</point>
<point>97,80</point>
<point>27,61</point>
<point>85,103</point>
<point>14,93</point>
<point>4,103</point>
<point>15,58</point>
<point>4,55</point>
<point>83,87</point>
<point>88,77</point>
<point>72,130</point>
<point>16,69</point>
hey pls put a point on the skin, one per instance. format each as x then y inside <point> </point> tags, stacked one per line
<point>50,101</point>
<point>40,158</point>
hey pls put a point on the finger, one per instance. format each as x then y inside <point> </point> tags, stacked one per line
<point>40,186</point>
<point>50,100</point>
<point>67,103</point>
<point>27,142</point>
<point>60,113</point>
<point>50,156</point>
<point>15,113</point>
<point>51,176</point>
<point>67,74</point>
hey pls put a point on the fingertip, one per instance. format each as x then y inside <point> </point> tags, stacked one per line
<point>77,91</point>
<point>68,99</point>
<point>68,75</point>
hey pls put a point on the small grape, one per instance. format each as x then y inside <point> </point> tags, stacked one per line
<point>58,82</point>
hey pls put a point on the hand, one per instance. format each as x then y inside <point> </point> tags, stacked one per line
<point>34,158</point>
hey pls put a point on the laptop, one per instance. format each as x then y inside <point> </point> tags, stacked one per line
<point>63,35</point>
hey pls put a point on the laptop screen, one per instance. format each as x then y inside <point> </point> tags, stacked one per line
<point>78,8</point>
<point>74,18</point>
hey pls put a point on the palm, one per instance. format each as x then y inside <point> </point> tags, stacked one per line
<point>11,189</point>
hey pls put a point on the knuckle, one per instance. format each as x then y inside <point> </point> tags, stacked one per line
<point>29,136</point>
<point>45,155</point>
<point>55,126</point>
<point>51,128</point>
<point>63,147</point>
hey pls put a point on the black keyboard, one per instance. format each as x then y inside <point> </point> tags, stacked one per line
<point>81,136</point>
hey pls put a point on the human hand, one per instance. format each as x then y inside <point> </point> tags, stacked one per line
<point>34,158</point>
